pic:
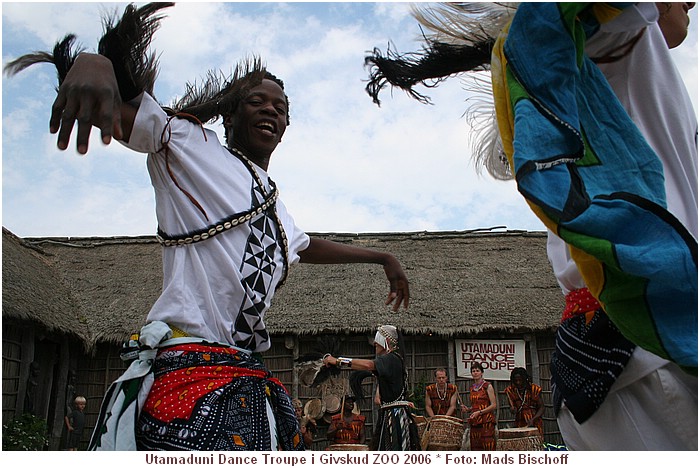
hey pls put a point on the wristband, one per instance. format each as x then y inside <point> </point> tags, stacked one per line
<point>344,362</point>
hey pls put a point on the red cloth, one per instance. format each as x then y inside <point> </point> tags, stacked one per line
<point>579,301</point>
<point>348,433</point>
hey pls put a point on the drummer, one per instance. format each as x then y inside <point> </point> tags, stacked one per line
<point>347,427</point>
<point>525,400</point>
<point>441,397</point>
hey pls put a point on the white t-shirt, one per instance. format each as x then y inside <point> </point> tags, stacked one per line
<point>672,133</point>
<point>218,289</point>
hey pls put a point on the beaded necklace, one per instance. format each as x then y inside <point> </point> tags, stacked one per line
<point>522,398</point>
<point>480,384</point>
<point>437,390</point>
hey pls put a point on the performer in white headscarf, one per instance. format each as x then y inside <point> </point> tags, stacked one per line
<point>396,429</point>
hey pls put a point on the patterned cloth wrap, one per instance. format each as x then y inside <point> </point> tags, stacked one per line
<point>397,429</point>
<point>588,174</point>
<point>526,404</point>
<point>196,396</point>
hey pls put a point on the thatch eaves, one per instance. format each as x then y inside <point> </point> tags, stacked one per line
<point>32,290</point>
<point>461,283</point>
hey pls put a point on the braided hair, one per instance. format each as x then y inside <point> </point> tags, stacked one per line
<point>520,372</point>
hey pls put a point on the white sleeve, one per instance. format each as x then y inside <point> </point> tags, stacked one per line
<point>633,18</point>
<point>563,266</point>
<point>297,238</point>
<point>148,126</point>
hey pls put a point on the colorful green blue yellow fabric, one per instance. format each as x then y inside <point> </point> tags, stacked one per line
<point>589,175</point>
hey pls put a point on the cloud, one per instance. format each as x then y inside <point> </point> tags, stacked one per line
<point>345,165</point>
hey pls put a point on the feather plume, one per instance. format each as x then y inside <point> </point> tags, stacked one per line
<point>460,40</point>
<point>64,54</point>
<point>311,364</point>
<point>437,62</point>
<point>356,379</point>
<point>487,149</point>
<point>463,23</point>
<point>218,95</point>
<point>126,43</point>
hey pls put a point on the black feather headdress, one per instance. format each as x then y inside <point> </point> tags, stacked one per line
<point>63,56</point>
<point>310,366</point>
<point>126,44</point>
<point>461,39</point>
<point>218,95</point>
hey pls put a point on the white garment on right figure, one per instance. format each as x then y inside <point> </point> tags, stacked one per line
<point>653,403</point>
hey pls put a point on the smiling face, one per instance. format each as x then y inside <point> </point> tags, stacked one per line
<point>260,120</point>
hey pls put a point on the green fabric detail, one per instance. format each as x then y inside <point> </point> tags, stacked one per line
<point>515,89</point>
<point>570,16</point>
<point>130,389</point>
<point>590,158</point>
<point>633,320</point>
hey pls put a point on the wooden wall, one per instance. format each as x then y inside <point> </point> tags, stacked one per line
<point>423,353</point>
<point>35,369</point>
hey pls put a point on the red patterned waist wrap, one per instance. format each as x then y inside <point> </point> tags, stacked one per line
<point>578,302</point>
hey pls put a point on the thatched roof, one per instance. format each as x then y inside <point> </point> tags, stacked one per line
<point>461,283</point>
<point>33,291</point>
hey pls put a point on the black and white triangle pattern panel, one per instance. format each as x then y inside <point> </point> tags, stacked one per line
<point>257,270</point>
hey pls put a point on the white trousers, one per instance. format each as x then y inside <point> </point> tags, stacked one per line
<point>652,406</point>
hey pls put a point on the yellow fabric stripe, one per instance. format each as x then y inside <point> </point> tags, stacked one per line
<point>177,333</point>
<point>501,95</point>
<point>605,12</point>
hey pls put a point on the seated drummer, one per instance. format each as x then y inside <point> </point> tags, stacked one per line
<point>347,427</point>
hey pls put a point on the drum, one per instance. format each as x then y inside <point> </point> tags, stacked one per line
<point>347,447</point>
<point>421,422</point>
<point>520,439</point>
<point>443,433</point>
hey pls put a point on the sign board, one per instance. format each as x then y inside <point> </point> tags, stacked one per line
<point>497,357</point>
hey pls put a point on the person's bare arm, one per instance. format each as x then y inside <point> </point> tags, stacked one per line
<point>428,405</point>
<point>322,251</point>
<point>453,405</point>
<point>356,364</point>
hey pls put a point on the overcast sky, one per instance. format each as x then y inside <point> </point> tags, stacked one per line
<point>345,165</point>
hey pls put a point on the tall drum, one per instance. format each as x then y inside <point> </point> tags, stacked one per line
<point>347,447</point>
<point>521,439</point>
<point>443,433</point>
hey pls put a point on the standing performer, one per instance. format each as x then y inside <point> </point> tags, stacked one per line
<point>608,161</point>
<point>227,242</point>
<point>396,430</point>
<point>441,397</point>
<point>524,398</point>
<point>482,419</point>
